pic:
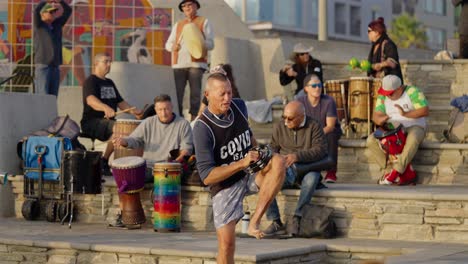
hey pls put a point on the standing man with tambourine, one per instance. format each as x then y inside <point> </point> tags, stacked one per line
<point>189,42</point>
<point>398,107</point>
<point>223,147</point>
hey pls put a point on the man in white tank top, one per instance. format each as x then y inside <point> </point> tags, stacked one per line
<point>399,104</point>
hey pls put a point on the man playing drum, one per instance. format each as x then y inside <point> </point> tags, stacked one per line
<point>187,66</point>
<point>160,134</point>
<point>223,141</point>
<point>100,101</point>
<point>396,105</point>
<point>299,138</point>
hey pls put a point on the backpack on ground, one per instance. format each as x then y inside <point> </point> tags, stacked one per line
<point>457,131</point>
<point>316,222</point>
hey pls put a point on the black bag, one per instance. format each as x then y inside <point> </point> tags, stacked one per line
<point>62,126</point>
<point>316,222</point>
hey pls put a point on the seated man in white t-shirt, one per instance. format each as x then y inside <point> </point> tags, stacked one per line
<point>399,104</point>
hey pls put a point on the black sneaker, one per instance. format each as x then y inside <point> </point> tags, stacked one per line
<point>105,169</point>
<point>275,229</point>
<point>117,222</point>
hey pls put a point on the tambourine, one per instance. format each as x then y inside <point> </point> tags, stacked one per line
<point>265,154</point>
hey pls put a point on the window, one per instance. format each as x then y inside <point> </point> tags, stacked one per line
<point>375,14</point>
<point>355,21</point>
<point>340,18</point>
<point>436,38</point>
<point>437,7</point>
<point>285,13</point>
<point>397,7</point>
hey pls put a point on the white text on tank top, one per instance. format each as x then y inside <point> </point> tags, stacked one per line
<point>396,118</point>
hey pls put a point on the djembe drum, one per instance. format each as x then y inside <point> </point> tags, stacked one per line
<point>166,215</point>
<point>338,89</point>
<point>359,98</point>
<point>129,175</point>
<point>123,128</point>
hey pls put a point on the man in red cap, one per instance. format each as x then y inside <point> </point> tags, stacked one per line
<point>396,105</point>
<point>186,67</point>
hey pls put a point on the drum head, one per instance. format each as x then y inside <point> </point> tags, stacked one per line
<point>128,162</point>
<point>161,166</point>
<point>132,121</point>
<point>194,39</point>
<point>361,78</point>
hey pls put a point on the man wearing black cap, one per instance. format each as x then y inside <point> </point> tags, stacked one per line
<point>48,44</point>
<point>396,105</point>
<point>186,66</point>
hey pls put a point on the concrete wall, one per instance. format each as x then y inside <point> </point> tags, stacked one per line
<point>21,114</point>
<point>246,59</point>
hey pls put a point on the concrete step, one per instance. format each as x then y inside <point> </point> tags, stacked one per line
<point>39,242</point>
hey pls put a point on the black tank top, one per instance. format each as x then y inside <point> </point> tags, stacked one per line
<point>232,142</point>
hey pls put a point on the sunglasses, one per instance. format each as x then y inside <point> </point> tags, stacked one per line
<point>302,53</point>
<point>288,118</point>
<point>369,30</point>
<point>315,85</point>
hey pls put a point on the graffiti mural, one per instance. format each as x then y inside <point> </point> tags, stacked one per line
<point>129,30</point>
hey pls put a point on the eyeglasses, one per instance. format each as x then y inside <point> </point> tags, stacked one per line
<point>315,85</point>
<point>288,118</point>
<point>187,4</point>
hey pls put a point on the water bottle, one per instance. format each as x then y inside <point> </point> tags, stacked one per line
<point>245,222</point>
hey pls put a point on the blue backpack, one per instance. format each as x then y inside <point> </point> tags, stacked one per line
<point>52,149</point>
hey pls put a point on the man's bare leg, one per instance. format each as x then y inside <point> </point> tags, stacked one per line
<point>226,243</point>
<point>270,180</point>
<point>109,149</point>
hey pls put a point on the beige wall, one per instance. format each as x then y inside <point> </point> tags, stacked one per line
<point>21,114</point>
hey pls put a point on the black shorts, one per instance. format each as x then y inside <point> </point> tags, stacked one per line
<point>100,129</point>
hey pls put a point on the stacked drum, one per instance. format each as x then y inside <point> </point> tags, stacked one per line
<point>167,196</point>
<point>355,100</point>
<point>129,174</point>
<point>123,128</point>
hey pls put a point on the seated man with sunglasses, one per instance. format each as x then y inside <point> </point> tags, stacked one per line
<point>322,107</point>
<point>298,139</point>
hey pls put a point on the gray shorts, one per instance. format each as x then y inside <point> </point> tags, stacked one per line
<point>228,203</point>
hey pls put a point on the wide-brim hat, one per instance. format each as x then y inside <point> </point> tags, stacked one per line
<point>301,48</point>
<point>185,1</point>
<point>389,84</point>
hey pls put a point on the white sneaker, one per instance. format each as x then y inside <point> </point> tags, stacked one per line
<point>385,182</point>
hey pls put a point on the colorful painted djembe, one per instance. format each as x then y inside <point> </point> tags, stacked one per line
<point>166,215</point>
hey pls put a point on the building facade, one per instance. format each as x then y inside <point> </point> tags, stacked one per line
<point>347,19</point>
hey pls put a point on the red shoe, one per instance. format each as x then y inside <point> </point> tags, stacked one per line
<point>408,177</point>
<point>331,176</point>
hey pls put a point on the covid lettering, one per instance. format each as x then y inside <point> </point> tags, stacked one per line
<point>234,148</point>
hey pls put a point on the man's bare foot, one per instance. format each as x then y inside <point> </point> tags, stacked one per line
<point>255,231</point>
